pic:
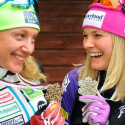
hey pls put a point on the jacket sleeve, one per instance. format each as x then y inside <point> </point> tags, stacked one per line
<point>70,88</point>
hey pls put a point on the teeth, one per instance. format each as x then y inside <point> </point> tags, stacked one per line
<point>95,54</point>
<point>19,58</point>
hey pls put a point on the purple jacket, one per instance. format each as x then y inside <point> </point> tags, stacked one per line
<point>70,88</point>
<point>70,105</point>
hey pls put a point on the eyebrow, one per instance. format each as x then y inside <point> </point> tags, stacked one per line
<point>25,31</point>
<point>93,31</point>
<point>84,31</point>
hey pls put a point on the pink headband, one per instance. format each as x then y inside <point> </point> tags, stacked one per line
<point>105,18</point>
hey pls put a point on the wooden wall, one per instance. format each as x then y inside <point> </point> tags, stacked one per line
<point>60,41</point>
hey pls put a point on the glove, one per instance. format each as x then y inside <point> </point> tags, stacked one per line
<point>96,111</point>
<point>50,116</point>
<point>53,114</point>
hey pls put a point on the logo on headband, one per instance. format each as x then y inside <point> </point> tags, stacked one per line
<point>30,17</point>
<point>94,18</point>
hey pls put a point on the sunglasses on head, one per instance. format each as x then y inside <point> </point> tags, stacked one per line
<point>36,6</point>
<point>109,3</point>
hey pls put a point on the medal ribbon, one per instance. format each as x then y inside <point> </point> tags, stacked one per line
<point>24,83</point>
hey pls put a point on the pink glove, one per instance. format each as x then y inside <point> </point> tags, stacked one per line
<point>51,116</point>
<point>96,111</point>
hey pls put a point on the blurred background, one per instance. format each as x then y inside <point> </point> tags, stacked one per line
<point>59,43</point>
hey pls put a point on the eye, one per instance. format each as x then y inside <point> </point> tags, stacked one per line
<point>20,36</point>
<point>34,39</point>
<point>85,36</point>
<point>98,35</point>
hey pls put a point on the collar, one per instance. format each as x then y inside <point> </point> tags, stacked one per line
<point>9,78</point>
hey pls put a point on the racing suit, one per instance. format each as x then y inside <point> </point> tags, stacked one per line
<point>72,107</point>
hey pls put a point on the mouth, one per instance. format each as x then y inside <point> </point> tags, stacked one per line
<point>18,57</point>
<point>95,55</point>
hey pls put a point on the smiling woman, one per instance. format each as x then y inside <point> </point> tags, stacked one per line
<point>22,98</point>
<point>95,43</point>
<point>21,45</point>
<point>96,91</point>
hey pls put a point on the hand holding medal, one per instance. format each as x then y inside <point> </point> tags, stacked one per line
<point>96,110</point>
<point>52,113</point>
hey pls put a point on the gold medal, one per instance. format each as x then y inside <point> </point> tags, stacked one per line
<point>54,93</point>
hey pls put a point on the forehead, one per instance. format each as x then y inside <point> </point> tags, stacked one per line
<point>94,30</point>
<point>89,29</point>
<point>21,29</point>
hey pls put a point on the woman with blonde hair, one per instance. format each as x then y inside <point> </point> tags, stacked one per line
<point>95,93</point>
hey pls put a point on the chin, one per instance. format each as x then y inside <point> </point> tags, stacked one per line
<point>96,68</point>
<point>15,69</point>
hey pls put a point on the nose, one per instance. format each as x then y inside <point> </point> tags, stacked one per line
<point>88,43</point>
<point>28,47</point>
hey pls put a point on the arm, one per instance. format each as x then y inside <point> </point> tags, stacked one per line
<point>70,88</point>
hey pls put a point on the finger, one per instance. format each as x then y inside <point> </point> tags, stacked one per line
<point>59,119</point>
<point>92,104</point>
<point>62,120</point>
<point>90,109</point>
<point>56,111</point>
<point>88,101</point>
<point>90,98</point>
<point>93,118</point>
<point>98,119</point>
<point>56,120</point>
<point>86,116</point>
<point>92,123</point>
<point>51,110</point>
<point>102,108</point>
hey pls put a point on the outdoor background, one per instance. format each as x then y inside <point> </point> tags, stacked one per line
<point>59,43</point>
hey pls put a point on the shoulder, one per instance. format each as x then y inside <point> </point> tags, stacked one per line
<point>71,79</point>
<point>74,72</point>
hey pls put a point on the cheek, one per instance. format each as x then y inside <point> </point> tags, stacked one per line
<point>106,46</point>
<point>109,48</point>
<point>83,43</point>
